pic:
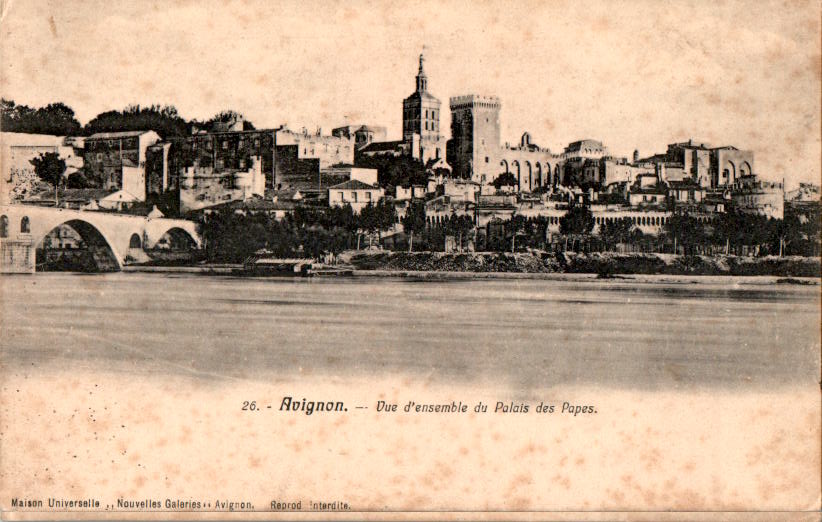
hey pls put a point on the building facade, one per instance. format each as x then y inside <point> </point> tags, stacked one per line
<point>474,151</point>
<point>354,193</point>
<point>202,187</point>
<point>474,148</point>
<point>363,135</point>
<point>753,196</point>
<point>106,154</point>
<point>17,149</point>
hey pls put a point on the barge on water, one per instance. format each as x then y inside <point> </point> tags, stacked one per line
<point>262,265</point>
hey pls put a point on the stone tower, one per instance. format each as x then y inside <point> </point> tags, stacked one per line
<point>421,117</point>
<point>474,149</point>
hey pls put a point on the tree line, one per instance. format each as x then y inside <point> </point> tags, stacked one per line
<point>59,119</point>
<point>231,237</point>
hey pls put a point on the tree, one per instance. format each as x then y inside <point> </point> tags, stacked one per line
<point>229,116</point>
<point>55,118</point>
<point>50,167</point>
<point>577,222</point>
<point>164,120</point>
<point>517,225</point>
<point>394,171</point>
<point>367,221</point>
<point>414,221</point>
<point>616,231</point>
<point>459,225</point>
<point>506,179</point>
<point>685,231</point>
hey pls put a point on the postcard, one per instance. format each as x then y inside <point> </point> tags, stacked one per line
<point>386,260</point>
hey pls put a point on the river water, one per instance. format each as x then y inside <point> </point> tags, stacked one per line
<point>527,334</point>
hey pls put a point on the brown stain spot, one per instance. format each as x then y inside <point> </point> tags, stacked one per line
<point>562,480</point>
<point>253,462</point>
<point>139,482</point>
<point>349,14</point>
<point>601,24</point>
<point>52,26</point>
<point>520,503</point>
<point>185,437</point>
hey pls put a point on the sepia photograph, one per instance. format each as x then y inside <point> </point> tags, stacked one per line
<point>410,260</point>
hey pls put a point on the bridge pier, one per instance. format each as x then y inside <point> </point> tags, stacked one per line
<point>17,256</point>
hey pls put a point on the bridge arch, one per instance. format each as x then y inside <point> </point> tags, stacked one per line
<point>170,231</point>
<point>99,248</point>
<point>174,238</point>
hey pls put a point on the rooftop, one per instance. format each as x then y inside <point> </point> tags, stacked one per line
<point>122,134</point>
<point>353,184</point>
<point>381,145</point>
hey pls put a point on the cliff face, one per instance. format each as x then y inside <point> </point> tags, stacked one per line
<point>598,263</point>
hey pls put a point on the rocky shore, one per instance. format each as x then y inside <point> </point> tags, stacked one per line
<point>604,264</point>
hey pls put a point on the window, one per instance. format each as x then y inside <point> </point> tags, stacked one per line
<point>368,196</point>
<point>486,159</point>
<point>242,163</point>
<point>4,226</point>
<point>240,144</point>
<point>354,197</point>
<point>225,144</point>
<point>342,196</point>
<point>99,156</point>
<point>257,142</point>
<point>25,227</point>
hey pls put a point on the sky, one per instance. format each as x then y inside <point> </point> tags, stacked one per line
<point>633,74</point>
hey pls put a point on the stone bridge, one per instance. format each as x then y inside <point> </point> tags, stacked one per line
<point>126,236</point>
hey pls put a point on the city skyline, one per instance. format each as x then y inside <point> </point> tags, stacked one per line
<point>639,77</point>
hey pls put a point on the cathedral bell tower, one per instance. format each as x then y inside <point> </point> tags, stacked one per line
<point>422,79</point>
<point>421,111</point>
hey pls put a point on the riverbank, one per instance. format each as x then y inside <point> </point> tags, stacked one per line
<point>603,264</point>
<point>486,265</point>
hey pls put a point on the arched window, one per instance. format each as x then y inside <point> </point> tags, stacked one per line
<point>134,242</point>
<point>4,226</point>
<point>25,228</point>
